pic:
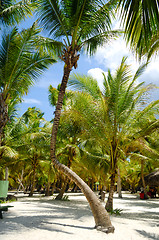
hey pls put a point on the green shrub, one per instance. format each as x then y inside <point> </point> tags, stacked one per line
<point>65,198</point>
<point>116,211</point>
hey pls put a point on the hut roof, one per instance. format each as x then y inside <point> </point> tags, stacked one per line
<point>152,179</point>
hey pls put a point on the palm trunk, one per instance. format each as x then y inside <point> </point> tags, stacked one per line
<point>6,174</point>
<point>3,120</point>
<point>62,191</point>
<point>33,181</point>
<point>101,216</point>
<point>3,115</point>
<point>109,204</point>
<point>143,180</point>
<point>0,139</point>
<point>119,185</point>
<point>47,192</point>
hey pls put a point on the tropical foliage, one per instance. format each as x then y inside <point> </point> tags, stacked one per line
<point>100,131</point>
<point>20,65</point>
<point>111,114</point>
<point>77,24</point>
<point>140,19</point>
<point>12,11</point>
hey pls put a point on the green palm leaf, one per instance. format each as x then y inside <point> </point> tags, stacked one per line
<point>140,19</point>
<point>12,12</point>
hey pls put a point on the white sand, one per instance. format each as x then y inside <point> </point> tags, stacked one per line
<point>46,219</point>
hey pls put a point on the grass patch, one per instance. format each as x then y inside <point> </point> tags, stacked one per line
<point>116,211</point>
<point>65,198</point>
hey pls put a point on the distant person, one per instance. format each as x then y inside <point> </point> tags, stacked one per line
<point>152,191</point>
<point>143,195</point>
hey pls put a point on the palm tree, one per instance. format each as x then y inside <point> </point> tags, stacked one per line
<point>35,142</point>
<point>145,148</point>
<point>12,11</point>
<point>77,24</point>
<point>140,19</point>
<point>108,115</point>
<point>20,65</point>
<point>71,148</point>
<point>28,137</point>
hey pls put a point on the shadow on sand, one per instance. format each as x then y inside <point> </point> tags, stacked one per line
<point>148,235</point>
<point>45,215</point>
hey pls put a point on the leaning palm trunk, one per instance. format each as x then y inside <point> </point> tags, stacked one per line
<point>101,216</point>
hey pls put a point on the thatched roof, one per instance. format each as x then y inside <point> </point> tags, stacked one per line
<point>152,179</point>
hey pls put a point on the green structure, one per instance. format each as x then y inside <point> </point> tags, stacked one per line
<point>3,189</point>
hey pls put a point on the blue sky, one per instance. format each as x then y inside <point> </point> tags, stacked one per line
<point>108,56</point>
<point>38,94</point>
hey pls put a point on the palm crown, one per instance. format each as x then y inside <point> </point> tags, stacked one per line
<point>20,65</point>
<point>77,22</point>
<point>110,117</point>
<point>19,62</point>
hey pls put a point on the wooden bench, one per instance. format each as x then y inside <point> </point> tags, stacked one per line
<point>3,208</point>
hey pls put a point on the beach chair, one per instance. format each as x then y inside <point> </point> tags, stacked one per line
<point>3,208</point>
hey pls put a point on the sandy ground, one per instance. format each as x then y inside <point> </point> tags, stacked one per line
<point>42,218</point>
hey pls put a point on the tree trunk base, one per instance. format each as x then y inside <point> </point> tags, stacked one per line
<point>59,197</point>
<point>108,206</point>
<point>62,191</point>
<point>105,230</point>
<point>120,196</point>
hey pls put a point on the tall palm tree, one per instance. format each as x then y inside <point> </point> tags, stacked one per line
<point>140,19</point>
<point>108,115</point>
<point>20,65</point>
<point>78,24</point>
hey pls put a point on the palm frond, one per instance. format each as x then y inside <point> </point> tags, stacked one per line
<point>154,46</point>
<point>148,129</point>
<point>13,12</point>
<point>93,42</point>
<point>77,20</point>
<point>86,84</point>
<point>20,62</point>
<point>9,152</point>
<point>141,21</point>
<point>48,45</point>
<point>148,108</point>
<point>52,18</point>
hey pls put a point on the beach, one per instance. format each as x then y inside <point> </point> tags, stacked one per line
<point>43,218</point>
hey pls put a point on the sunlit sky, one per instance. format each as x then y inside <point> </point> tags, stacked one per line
<point>106,57</point>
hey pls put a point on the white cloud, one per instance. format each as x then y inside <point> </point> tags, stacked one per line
<point>97,73</point>
<point>110,56</point>
<point>31,101</point>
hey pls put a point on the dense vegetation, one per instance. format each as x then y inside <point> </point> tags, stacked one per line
<point>101,135</point>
